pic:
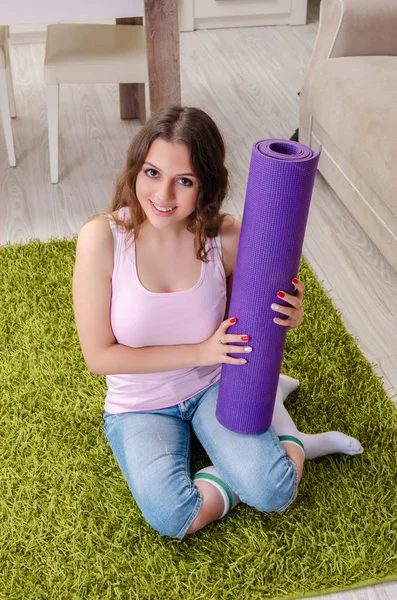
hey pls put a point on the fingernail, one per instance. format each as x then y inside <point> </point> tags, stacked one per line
<point>245,338</point>
<point>295,281</point>
<point>274,306</point>
<point>280,294</point>
<point>248,349</point>
<point>243,361</point>
<point>234,320</point>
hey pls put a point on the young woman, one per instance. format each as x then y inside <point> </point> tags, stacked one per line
<point>151,290</point>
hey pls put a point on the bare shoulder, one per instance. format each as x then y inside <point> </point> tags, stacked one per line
<point>95,243</point>
<point>230,237</point>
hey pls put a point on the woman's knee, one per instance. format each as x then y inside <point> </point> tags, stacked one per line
<point>171,514</point>
<point>166,524</point>
<point>272,491</point>
<point>171,524</point>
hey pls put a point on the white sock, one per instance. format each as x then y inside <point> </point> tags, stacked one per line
<point>286,385</point>
<point>329,442</point>
<point>211,475</point>
<point>315,445</point>
<point>282,423</point>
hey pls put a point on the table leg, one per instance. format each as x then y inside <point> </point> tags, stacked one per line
<point>132,95</point>
<point>162,47</point>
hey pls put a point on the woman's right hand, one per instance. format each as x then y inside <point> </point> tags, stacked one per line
<point>211,352</point>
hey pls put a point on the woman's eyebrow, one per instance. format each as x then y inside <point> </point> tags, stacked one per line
<point>178,174</point>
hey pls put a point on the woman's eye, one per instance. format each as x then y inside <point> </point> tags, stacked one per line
<point>185,181</point>
<point>151,172</point>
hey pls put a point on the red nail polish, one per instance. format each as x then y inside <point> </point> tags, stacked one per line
<point>295,281</point>
<point>245,338</point>
<point>234,320</point>
<point>280,294</point>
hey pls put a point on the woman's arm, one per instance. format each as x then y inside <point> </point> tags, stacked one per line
<point>92,285</point>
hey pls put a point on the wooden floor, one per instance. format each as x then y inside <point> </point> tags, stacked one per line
<point>247,79</point>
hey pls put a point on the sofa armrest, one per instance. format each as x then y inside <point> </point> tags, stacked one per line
<point>349,28</point>
<point>356,28</point>
<point>366,28</point>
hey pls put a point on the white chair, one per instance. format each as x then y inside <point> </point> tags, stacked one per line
<point>7,101</point>
<point>80,53</point>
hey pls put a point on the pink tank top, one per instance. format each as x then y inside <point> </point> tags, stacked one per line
<point>143,318</point>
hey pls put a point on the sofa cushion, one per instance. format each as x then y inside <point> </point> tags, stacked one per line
<point>354,99</point>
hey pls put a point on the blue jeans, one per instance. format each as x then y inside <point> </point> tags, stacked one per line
<point>152,449</point>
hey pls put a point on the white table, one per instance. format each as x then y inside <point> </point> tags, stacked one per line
<point>162,38</point>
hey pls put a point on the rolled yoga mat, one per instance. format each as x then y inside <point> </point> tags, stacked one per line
<point>279,189</point>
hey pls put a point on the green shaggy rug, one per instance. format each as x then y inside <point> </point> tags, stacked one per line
<point>68,524</point>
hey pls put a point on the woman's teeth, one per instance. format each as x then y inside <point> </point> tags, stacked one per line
<point>163,209</point>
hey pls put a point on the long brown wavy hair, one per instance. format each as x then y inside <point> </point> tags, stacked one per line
<point>198,132</point>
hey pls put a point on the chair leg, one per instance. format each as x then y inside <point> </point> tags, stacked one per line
<point>132,101</point>
<point>53,115</point>
<point>6,118</point>
<point>10,89</point>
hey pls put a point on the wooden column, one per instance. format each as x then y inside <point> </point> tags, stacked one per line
<point>162,46</point>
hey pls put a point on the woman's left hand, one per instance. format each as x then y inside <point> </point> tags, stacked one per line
<point>295,313</point>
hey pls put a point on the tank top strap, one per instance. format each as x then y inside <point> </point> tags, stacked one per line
<point>216,244</point>
<point>113,227</point>
<point>119,234</point>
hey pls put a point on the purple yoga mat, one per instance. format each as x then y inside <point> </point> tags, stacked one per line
<point>279,189</point>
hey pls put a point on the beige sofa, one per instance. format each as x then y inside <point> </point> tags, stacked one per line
<point>348,104</point>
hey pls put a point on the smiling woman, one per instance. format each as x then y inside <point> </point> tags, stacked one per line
<point>176,159</point>
<point>167,187</point>
<point>150,317</point>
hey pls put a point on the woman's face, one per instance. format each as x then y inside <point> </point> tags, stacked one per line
<point>166,180</point>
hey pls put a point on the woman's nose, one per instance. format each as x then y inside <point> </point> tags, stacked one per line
<point>165,191</point>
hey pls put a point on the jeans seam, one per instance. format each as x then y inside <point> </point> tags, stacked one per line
<point>292,465</point>
<point>181,533</point>
<point>196,510</point>
<point>281,451</point>
<point>295,490</point>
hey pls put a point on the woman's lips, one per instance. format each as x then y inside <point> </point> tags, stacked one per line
<point>159,213</point>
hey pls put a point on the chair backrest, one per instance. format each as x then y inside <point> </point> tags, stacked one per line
<point>95,53</point>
